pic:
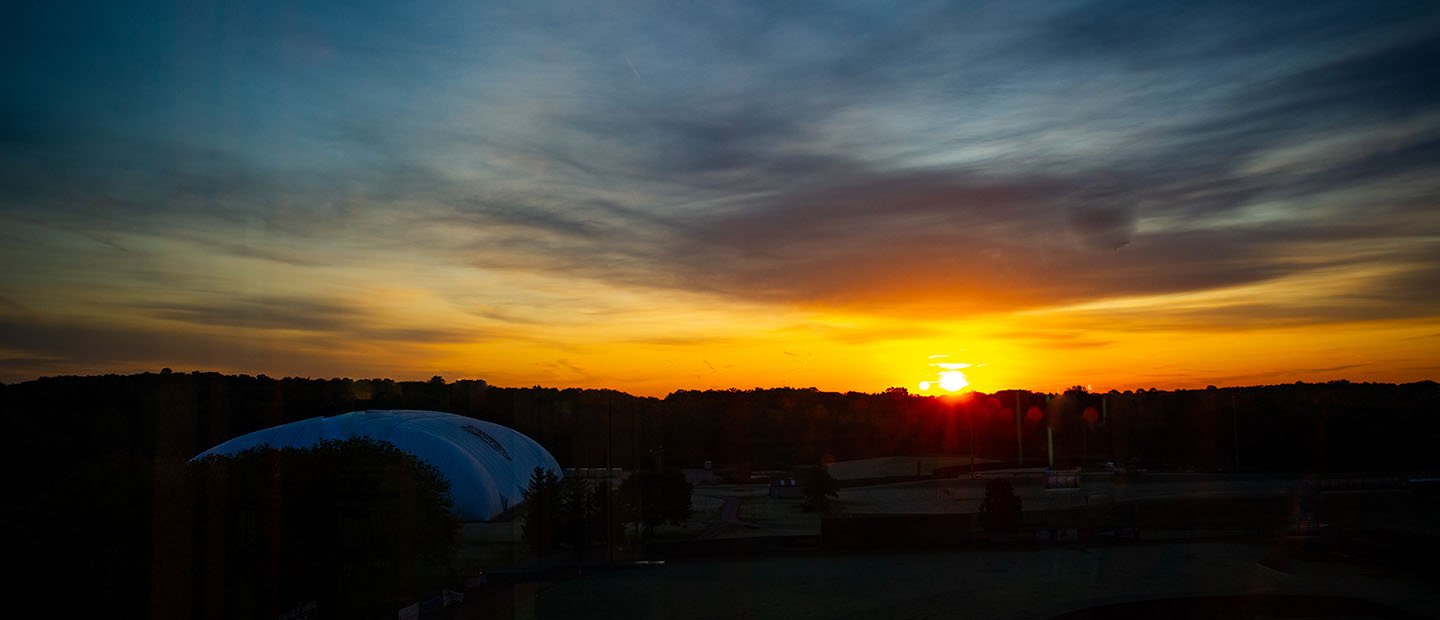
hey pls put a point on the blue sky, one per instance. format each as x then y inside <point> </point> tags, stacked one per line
<point>245,185</point>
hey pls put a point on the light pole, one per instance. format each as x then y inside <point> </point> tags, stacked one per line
<point>973,475</point>
<point>1049,435</point>
<point>1235,431</point>
<point>609,515</point>
<point>1019,433</point>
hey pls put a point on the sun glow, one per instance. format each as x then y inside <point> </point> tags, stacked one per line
<point>949,376</point>
<point>953,381</point>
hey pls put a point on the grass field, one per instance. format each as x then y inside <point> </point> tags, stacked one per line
<point>1170,505</point>
<point>884,467</point>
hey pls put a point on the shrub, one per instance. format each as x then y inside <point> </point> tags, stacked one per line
<point>1000,510</point>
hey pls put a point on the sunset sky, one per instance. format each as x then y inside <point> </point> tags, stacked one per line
<point>657,196</point>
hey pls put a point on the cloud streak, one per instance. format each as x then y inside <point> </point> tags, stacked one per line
<point>950,163</point>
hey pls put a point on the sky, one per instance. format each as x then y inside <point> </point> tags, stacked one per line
<point>688,195</point>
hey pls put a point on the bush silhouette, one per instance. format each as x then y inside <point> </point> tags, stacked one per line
<point>654,497</point>
<point>1000,511</point>
<point>349,525</point>
<point>820,488</point>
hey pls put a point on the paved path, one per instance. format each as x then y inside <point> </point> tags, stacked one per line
<point>730,512</point>
<point>729,522</point>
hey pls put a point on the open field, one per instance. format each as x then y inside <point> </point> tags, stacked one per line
<point>1016,583</point>
<point>766,516</point>
<point>992,584</point>
<point>888,466</point>
<point>963,495</point>
<point>1169,505</point>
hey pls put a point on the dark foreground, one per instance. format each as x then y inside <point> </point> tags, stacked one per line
<point>967,584</point>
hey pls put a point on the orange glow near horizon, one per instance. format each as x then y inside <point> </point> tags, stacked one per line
<point>651,342</point>
<point>663,225</point>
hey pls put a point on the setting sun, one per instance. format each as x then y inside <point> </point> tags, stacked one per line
<point>953,380</point>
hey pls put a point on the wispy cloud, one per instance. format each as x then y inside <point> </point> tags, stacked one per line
<point>551,164</point>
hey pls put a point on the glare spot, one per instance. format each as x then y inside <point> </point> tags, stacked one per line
<point>953,380</point>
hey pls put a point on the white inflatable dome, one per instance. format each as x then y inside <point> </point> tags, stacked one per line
<point>488,465</point>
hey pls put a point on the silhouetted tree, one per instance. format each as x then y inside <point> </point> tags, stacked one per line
<point>1000,510</point>
<point>654,497</point>
<point>543,505</point>
<point>347,524</point>
<point>118,441</point>
<point>820,489</point>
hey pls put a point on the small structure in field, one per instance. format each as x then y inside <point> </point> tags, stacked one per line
<point>786,488</point>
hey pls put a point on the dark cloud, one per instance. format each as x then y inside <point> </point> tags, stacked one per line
<point>263,312</point>
<point>324,319</point>
<point>968,242</point>
<point>1385,84</point>
<point>1103,214</point>
<point>1400,78</point>
<point>1146,35</point>
<point>1413,289</point>
<point>967,245</point>
<point>962,243</point>
<point>91,346</point>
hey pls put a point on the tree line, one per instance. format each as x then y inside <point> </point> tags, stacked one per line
<point>86,458</point>
<point>1300,427</point>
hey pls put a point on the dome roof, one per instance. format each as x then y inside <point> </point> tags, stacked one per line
<point>488,465</point>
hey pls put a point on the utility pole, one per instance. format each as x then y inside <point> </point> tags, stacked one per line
<point>1050,443</point>
<point>1019,433</point>
<point>1235,431</point>
<point>1109,430</point>
<point>635,471</point>
<point>972,446</point>
<point>609,491</point>
<point>1049,435</point>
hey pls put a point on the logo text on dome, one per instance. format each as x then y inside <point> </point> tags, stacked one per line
<point>489,441</point>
